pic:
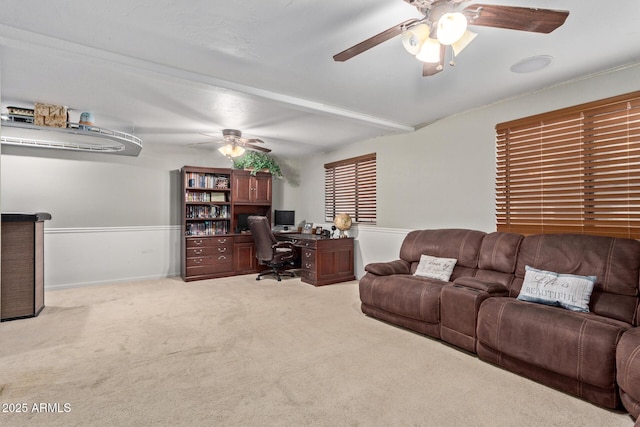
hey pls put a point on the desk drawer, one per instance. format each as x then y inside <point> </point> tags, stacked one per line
<point>305,243</point>
<point>309,276</point>
<point>308,259</point>
<point>308,255</point>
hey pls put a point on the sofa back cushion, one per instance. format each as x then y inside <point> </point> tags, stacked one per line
<point>461,244</point>
<point>614,261</point>
<point>498,256</point>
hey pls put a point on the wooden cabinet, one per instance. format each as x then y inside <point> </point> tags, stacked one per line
<point>208,257</point>
<point>22,278</point>
<point>249,189</point>
<point>326,261</point>
<point>244,255</point>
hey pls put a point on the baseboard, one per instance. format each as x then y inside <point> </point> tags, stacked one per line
<point>107,282</point>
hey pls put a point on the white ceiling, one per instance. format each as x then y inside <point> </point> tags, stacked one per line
<point>171,71</point>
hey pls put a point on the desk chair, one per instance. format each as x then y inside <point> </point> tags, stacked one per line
<point>269,251</point>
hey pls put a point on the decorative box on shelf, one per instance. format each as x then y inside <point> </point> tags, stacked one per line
<point>222,182</point>
<point>50,115</point>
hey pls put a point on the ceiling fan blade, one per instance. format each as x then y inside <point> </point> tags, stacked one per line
<point>429,68</point>
<point>251,140</point>
<point>257,148</point>
<point>373,41</point>
<point>516,18</point>
<point>202,143</point>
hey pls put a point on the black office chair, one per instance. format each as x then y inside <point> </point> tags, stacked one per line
<point>269,251</point>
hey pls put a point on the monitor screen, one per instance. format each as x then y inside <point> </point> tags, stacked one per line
<point>243,222</point>
<point>284,218</point>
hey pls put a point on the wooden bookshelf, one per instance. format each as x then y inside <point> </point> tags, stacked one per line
<point>212,198</point>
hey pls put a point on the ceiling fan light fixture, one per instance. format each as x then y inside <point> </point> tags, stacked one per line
<point>231,150</point>
<point>413,38</point>
<point>430,51</point>
<point>451,27</point>
<point>464,41</point>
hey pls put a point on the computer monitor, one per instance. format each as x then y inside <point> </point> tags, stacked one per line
<point>284,218</point>
<point>243,222</point>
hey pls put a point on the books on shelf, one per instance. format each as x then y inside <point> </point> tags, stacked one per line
<point>207,203</point>
<point>207,180</point>
<point>207,212</point>
<point>207,228</point>
<point>200,196</point>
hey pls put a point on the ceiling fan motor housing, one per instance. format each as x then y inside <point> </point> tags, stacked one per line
<point>233,133</point>
<point>424,5</point>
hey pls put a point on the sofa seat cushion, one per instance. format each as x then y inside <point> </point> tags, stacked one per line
<point>405,295</point>
<point>577,345</point>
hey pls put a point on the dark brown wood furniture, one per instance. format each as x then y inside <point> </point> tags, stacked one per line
<point>323,261</point>
<point>22,266</point>
<point>251,189</point>
<point>212,199</point>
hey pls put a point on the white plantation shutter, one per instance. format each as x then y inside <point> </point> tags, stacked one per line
<point>575,170</point>
<point>350,187</point>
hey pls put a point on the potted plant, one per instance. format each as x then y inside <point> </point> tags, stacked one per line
<point>256,162</point>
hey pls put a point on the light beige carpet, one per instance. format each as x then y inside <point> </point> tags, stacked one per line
<point>237,352</point>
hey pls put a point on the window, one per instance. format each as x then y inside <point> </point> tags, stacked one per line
<point>350,187</point>
<point>575,170</point>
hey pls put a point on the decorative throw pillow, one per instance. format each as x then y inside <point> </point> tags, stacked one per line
<point>569,291</point>
<point>435,268</point>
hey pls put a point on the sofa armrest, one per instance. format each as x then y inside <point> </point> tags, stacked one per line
<point>628,370</point>
<point>388,268</point>
<point>491,288</point>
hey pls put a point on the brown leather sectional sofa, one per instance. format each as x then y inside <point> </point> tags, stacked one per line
<point>594,355</point>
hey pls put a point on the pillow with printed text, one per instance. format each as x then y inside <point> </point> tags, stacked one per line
<point>569,291</point>
<point>435,268</point>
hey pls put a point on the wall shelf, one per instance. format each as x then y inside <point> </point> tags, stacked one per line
<point>90,139</point>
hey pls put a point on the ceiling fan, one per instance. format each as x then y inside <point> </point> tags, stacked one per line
<point>235,144</point>
<point>445,24</point>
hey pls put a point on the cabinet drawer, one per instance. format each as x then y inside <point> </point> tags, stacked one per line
<point>210,260</point>
<point>200,252</point>
<point>208,241</point>
<point>222,250</point>
<point>198,242</point>
<point>221,241</point>
<point>209,269</point>
<point>209,251</point>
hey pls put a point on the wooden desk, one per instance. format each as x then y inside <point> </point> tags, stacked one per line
<point>323,261</point>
